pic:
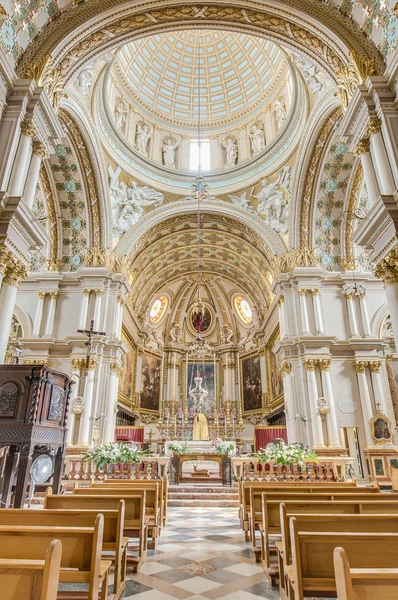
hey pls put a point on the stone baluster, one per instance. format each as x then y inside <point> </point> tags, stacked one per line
<point>316,302</point>
<point>84,309</point>
<point>305,327</point>
<point>317,432</point>
<point>15,272</point>
<point>111,402</point>
<point>364,395</point>
<point>379,154</point>
<point>84,431</point>
<point>378,391</point>
<point>331,416</point>
<point>362,150</point>
<point>51,314</point>
<point>38,153</point>
<point>39,313</point>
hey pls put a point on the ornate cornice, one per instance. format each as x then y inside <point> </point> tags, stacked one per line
<point>362,147</point>
<point>387,269</point>
<point>298,257</point>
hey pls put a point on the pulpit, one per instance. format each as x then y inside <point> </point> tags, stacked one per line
<point>34,404</point>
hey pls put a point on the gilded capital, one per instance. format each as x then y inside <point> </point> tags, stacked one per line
<point>99,292</point>
<point>92,364</point>
<point>5,259</point>
<point>286,368</point>
<point>42,295</point>
<point>54,295</point>
<point>15,273</point>
<point>360,366</point>
<point>374,366</point>
<point>349,264</point>
<point>28,129</point>
<point>314,292</point>
<point>86,292</point>
<point>310,364</point>
<point>374,125</point>
<point>362,147</point>
<point>77,363</point>
<point>281,300</point>
<point>324,364</point>
<point>115,368</point>
<point>387,269</point>
<point>302,292</point>
<point>39,149</point>
<point>54,265</point>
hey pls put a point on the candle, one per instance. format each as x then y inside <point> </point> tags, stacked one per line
<point>226,375</point>
<point>215,381</point>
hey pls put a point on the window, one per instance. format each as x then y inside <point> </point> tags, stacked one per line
<point>204,155</point>
<point>157,309</point>
<point>243,309</point>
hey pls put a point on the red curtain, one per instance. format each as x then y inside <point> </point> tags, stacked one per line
<point>264,435</point>
<point>128,433</point>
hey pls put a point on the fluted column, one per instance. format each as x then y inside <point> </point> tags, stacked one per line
<point>22,158</point>
<point>317,432</point>
<point>39,313</point>
<point>364,311</point>
<point>84,431</point>
<point>349,295</point>
<point>97,309</point>
<point>282,317</point>
<point>363,151</point>
<point>316,301</point>
<point>118,319</point>
<point>38,152</point>
<point>305,327</point>
<point>364,395</point>
<point>14,274</point>
<point>379,154</point>
<point>51,313</point>
<point>111,403</point>
<point>76,369</point>
<point>378,391</point>
<point>84,309</point>
<point>331,416</point>
<point>290,409</point>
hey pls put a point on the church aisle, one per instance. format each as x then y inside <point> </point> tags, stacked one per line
<point>201,555</point>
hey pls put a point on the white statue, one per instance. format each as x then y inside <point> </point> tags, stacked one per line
<point>128,202</point>
<point>226,334</point>
<point>144,132</point>
<point>84,81</point>
<point>120,113</point>
<point>272,202</point>
<point>315,79</point>
<point>170,146</point>
<point>176,334</point>
<point>231,151</point>
<point>242,202</point>
<point>257,138</point>
<point>280,113</point>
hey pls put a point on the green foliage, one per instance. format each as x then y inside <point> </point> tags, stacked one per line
<point>115,452</point>
<point>282,454</point>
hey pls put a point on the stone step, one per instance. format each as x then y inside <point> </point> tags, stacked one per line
<point>201,502</point>
<point>196,489</point>
<point>202,496</point>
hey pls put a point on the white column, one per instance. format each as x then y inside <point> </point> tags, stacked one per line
<point>84,309</point>
<point>351,313</point>
<point>51,314</point>
<point>111,403</point>
<point>317,432</point>
<point>305,327</point>
<point>290,410</point>
<point>33,173</point>
<point>121,303</point>
<point>379,154</point>
<point>76,369</point>
<point>39,313</point>
<point>185,151</point>
<point>8,296</point>
<point>97,309</point>
<point>84,431</point>
<point>364,314</point>
<point>331,417</point>
<point>363,151</point>
<point>378,392</point>
<point>316,301</point>
<point>282,317</point>
<point>366,403</point>
<point>22,159</point>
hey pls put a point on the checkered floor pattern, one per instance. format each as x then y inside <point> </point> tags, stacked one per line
<point>201,555</point>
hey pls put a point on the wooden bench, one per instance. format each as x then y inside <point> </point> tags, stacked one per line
<point>312,572</point>
<point>32,579</point>
<point>81,553</point>
<point>135,520</point>
<point>112,540</point>
<point>164,489</point>
<point>363,584</point>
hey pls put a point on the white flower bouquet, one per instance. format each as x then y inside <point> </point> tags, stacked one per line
<point>286,455</point>
<point>113,453</point>
<point>177,447</point>
<point>223,447</point>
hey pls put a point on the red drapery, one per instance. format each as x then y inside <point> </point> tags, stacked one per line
<point>264,435</point>
<point>129,433</point>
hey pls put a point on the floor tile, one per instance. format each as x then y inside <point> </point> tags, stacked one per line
<point>199,556</point>
<point>152,567</point>
<point>244,569</point>
<point>198,584</point>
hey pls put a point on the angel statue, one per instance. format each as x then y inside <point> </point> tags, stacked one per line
<point>273,204</point>
<point>257,138</point>
<point>120,113</point>
<point>280,113</point>
<point>231,151</point>
<point>170,146</point>
<point>144,132</point>
<point>242,202</point>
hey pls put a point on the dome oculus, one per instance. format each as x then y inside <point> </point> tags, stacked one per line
<point>244,310</point>
<point>157,309</point>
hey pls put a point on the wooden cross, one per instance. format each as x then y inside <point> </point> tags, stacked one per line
<point>90,334</point>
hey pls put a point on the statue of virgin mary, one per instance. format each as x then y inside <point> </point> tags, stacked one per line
<point>200,428</point>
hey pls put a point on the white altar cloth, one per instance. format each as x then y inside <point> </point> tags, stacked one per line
<point>203,447</point>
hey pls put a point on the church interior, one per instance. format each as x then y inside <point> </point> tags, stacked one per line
<point>198,299</point>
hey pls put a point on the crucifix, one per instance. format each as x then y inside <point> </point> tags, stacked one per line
<point>90,334</point>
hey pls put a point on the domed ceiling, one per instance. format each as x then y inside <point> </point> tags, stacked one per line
<point>238,74</point>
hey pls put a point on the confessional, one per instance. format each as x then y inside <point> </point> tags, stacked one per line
<point>34,405</point>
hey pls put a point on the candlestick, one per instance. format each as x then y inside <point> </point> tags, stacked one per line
<point>174,378</point>
<point>226,375</point>
<point>175,426</point>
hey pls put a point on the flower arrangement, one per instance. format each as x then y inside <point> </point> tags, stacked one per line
<point>177,447</point>
<point>112,453</point>
<point>223,447</point>
<point>282,454</point>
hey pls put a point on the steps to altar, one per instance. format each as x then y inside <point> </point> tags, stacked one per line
<point>202,494</point>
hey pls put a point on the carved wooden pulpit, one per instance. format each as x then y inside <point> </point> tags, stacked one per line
<point>34,405</point>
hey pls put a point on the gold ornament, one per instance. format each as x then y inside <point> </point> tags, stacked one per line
<point>360,366</point>
<point>286,369</point>
<point>374,125</point>
<point>374,366</point>
<point>324,364</point>
<point>387,269</point>
<point>362,147</point>
<point>39,149</point>
<point>310,364</point>
<point>353,74</point>
<point>28,129</point>
<point>298,257</point>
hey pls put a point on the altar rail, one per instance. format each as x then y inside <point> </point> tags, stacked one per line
<point>77,469</point>
<point>327,469</point>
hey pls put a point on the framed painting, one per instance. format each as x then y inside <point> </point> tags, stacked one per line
<point>251,384</point>
<point>151,370</point>
<point>206,372</point>
<point>381,428</point>
<point>128,365</point>
<point>275,381</point>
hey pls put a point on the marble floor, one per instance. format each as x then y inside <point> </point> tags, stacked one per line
<point>201,555</point>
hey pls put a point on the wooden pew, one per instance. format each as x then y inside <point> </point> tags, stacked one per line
<point>312,572</point>
<point>81,553</point>
<point>271,519</point>
<point>382,523</point>
<point>32,579</point>
<point>152,496</point>
<point>164,487</point>
<point>363,584</point>
<point>112,540</point>
<point>135,520</point>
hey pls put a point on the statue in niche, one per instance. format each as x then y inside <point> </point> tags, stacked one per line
<point>231,151</point>
<point>143,135</point>
<point>273,204</point>
<point>257,137</point>
<point>84,81</point>
<point>280,113</point>
<point>128,202</point>
<point>120,113</point>
<point>169,148</point>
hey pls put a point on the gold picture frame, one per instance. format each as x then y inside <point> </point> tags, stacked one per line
<point>254,360</point>
<point>156,381</point>
<point>128,366</point>
<point>274,377</point>
<point>380,428</point>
